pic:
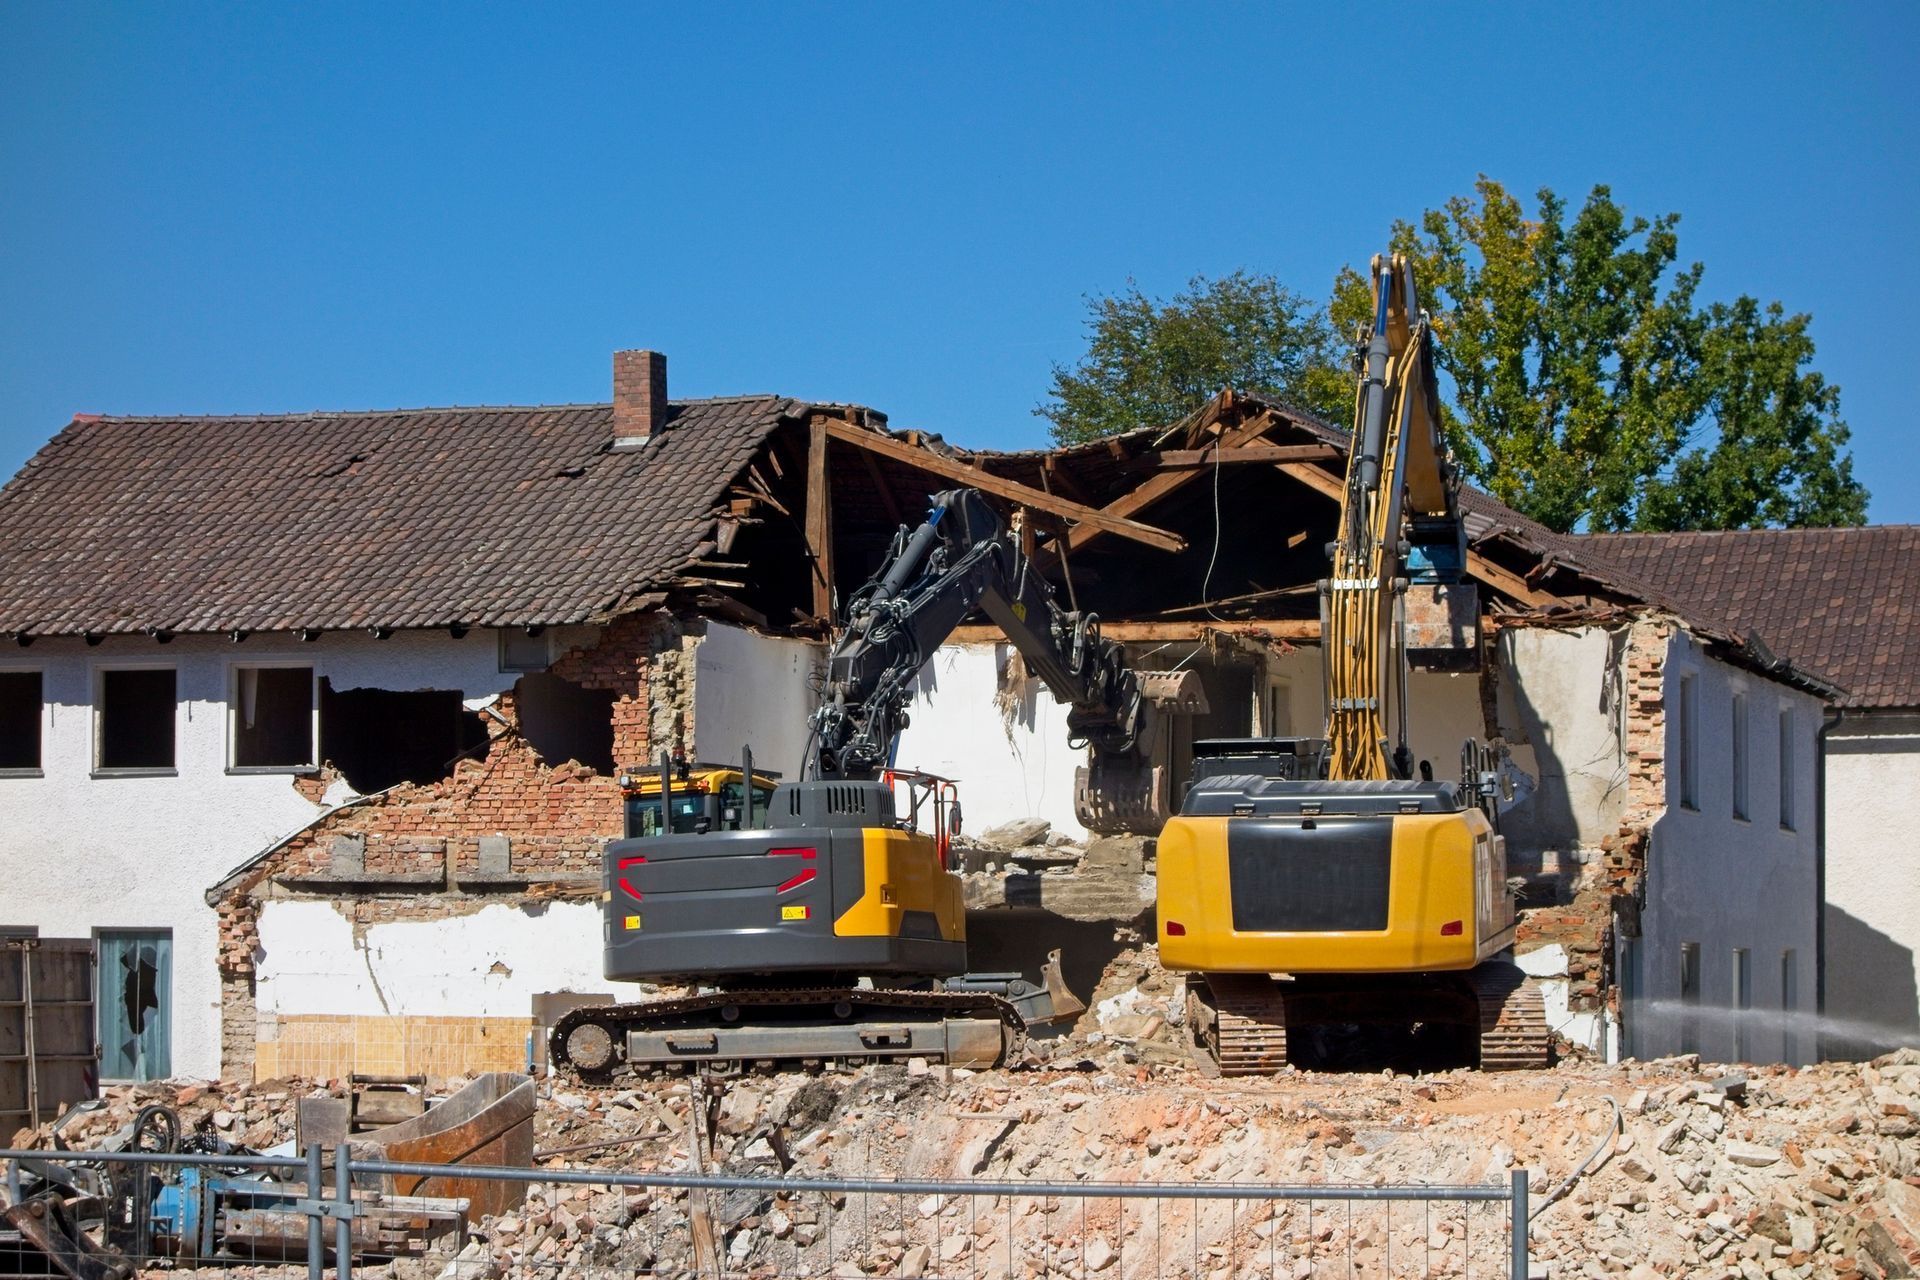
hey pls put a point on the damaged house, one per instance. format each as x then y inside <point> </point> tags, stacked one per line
<point>314,724</point>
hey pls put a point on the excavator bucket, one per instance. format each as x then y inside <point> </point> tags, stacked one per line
<point>1128,794</point>
<point>1443,626</point>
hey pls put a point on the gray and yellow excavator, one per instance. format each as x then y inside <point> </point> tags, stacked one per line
<point>1324,894</point>
<point>822,920</point>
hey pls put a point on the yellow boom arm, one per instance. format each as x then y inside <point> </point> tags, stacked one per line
<point>1397,467</point>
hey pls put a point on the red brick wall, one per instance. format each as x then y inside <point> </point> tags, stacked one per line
<point>1584,925</point>
<point>558,818</point>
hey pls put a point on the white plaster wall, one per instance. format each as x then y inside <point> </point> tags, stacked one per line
<point>1560,713</point>
<point>79,854</point>
<point>1022,769</point>
<point>1873,884</point>
<point>750,689</point>
<point>488,964</point>
<point>1724,882</point>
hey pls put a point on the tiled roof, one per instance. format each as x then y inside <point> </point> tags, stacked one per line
<point>409,518</point>
<point>1844,603</point>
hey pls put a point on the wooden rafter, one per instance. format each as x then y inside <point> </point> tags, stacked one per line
<point>1162,483</point>
<point>1245,453</point>
<point>1105,519</point>
<point>1307,629</point>
<point>1497,576</point>
<point>819,526</point>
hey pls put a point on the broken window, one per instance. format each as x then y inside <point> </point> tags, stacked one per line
<point>1740,756</point>
<point>564,721</point>
<point>135,1005</point>
<point>20,721</point>
<point>1786,769</point>
<point>379,738</point>
<point>134,715</point>
<point>271,717</point>
<point>520,651</point>
<point>1790,1004</point>
<point>1688,732</point>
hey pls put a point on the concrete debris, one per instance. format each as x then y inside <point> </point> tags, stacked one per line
<point>1017,834</point>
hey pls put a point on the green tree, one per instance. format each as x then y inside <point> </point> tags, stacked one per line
<point>1590,391</point>
<point>1149,363</point>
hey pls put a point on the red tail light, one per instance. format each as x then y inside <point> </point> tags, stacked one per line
<point>1175,929</point>
<point>625,884</point>
<point>1451,929</point>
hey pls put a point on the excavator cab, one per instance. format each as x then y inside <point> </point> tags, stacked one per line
<point>701,798</point>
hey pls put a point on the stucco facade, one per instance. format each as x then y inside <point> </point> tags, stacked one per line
<point>1725,963</point>
<point>86,852</point>
<point>1873,883</point>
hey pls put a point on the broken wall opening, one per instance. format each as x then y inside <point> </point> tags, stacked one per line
<point>566,721</point>
<point>379,738</point>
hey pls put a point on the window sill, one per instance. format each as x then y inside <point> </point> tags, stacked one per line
<point>23,773</point>
<point>136,773</point>
<point>291,770</point>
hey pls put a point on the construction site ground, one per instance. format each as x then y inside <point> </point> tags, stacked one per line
<point>1719,1170</point>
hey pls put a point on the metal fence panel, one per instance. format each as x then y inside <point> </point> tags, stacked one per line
<point>928,1229</point>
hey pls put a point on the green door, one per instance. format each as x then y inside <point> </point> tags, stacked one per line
<point>136,1004</point>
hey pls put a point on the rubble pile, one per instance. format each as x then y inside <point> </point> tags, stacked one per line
<point>1773,1172</point>
<point>1652,1169</point>
<point>254,1116</point>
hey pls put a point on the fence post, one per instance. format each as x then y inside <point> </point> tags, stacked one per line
<point>343,1219</point>
<point>1519,1224</point>
<point>316,1238</point>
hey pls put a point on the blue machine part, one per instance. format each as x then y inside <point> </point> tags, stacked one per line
<point>1442,562</point>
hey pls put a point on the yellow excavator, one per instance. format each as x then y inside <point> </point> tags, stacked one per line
<point>1331,903</point>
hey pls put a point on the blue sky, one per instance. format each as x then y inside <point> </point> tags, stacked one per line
<point>208,208</point>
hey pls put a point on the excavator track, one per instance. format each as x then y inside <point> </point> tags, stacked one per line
<point>1240,1022</point>
<point>1513,1019</point>
<point>725,1032</point>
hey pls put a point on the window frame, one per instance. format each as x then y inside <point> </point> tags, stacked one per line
<point>37,669</point>
<point>1788,818</point>
<point>97,687</point>
<point>166,992</point>
<point>234,669</point>
<point>1687,730</point>
<point>546,642</point>
<point>1740,756</point>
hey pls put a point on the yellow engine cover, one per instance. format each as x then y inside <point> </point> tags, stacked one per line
<point>1447,905</point>
<point>903,880</point>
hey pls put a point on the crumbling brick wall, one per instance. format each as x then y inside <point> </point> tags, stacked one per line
<point>557,817</point>
<point>1583,925</point>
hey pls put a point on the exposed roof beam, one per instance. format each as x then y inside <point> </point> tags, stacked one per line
<point>1147,632</point>
<point>1105,520</point>
<point>1496,576</point>
<point>1245,453</point>
<point>1158,486</point>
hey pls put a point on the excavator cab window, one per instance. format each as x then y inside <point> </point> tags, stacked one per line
<point>643,814</point>
<point>732,806</point>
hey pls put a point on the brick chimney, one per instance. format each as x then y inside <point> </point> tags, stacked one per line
<point>639,397</point>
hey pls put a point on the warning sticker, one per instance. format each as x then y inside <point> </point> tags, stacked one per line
<point>632,924</point>
<point>794,913</point>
